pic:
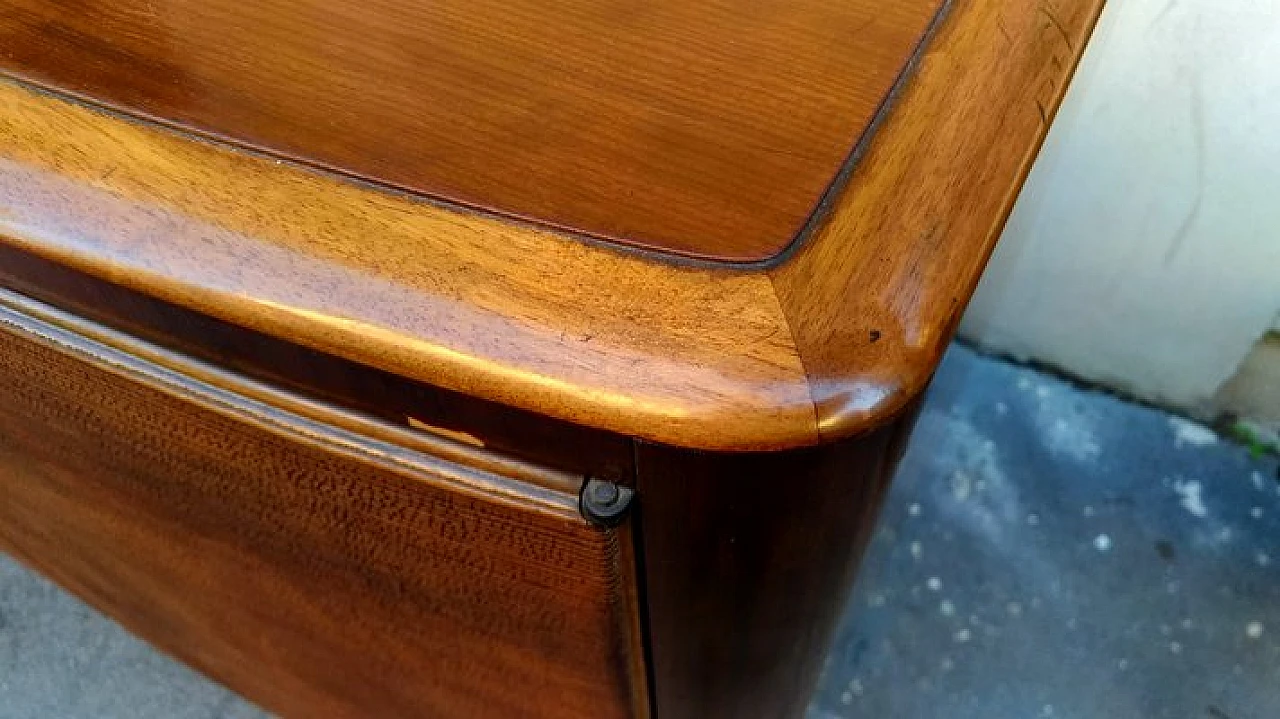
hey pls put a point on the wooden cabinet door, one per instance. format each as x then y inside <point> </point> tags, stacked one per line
<point>317,561</point>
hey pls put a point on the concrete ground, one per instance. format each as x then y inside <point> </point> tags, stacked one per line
<point>1047,551</point>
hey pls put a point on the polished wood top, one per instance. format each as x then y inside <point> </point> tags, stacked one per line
<point>708,129</point>
<point>835,338</point>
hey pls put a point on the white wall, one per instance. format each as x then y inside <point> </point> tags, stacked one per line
<point>1144,251</point>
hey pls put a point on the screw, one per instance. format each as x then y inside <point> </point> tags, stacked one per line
<point>604,494</point>
<point>603,503</point>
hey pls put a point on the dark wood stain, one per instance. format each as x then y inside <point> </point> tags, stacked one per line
<point>308,573</point>
<point>747,563</point>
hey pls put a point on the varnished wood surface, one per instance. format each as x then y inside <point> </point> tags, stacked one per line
<point>317,570</point>
<point>831,342</point>
<point>874,297</point>
<point>748,560</point>
<point>472,304</point>
<point>571,448</point>
<point>709,129</point>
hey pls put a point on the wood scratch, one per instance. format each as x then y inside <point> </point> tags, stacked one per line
<point>861,28</point>
<point>1053,20</point>
<point>1004,30</point>
<point>1044,114</point>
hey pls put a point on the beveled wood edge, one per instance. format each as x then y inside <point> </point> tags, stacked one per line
<point>202,98</point>
<point>631,612</point>
<point>420,457</point>
<point>710,358</point>
<point>871,317</point>
<point>506,312</point>
<point>573,449</point>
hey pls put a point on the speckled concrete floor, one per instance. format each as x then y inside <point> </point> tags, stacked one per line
<point>1046,552</point>
<point>59,659</point>
<point>1053,552</point>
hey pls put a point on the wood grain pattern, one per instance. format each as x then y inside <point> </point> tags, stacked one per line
<point>319,571</point>
<point>748,560</point>
<point>831,342</point>
<point>571,448</point>
<point>874,297</point>
<point>709,129</point>
<point>479,306</point>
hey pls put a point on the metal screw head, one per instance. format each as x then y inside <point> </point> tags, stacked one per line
<point>603,494</point>
<point>603,503</point>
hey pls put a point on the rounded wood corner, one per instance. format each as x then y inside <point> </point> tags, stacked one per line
<point>834,340</point>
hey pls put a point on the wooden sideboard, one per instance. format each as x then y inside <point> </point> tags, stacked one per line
<point>469,359</point>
